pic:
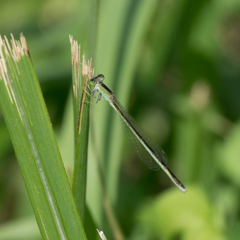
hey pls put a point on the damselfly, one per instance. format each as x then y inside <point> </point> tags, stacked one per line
<point>151,154</point>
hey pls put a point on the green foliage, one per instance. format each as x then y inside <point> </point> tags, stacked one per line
<point>173,213</point>
<point>175,66</point>
<point>231,148</point>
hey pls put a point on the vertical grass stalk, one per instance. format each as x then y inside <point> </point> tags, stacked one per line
<point>81,73</point>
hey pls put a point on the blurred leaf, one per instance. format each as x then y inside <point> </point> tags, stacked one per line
<point>226,201</point>
<point>174,213</point>
<point>116,58</point>
<point>227,155</point>
<point>193,142</point>
<point>22,229</point>
<point>90,226</point>
<point>234,231</point>
<point>118,65</point>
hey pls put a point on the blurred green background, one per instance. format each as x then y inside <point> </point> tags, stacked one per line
<point>174,64</point>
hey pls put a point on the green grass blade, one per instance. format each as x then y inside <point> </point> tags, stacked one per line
<point>138,28</point>
<point>81,74</point>
<point>35,146</point>
<point>116,58</point>
<point>119,71</point>
<point>90,226</point>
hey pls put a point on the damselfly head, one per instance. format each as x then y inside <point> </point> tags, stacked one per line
<point>99,78</point>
